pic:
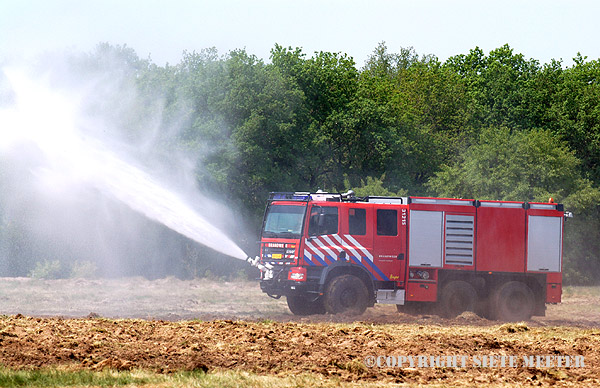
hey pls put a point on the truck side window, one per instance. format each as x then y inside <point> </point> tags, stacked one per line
<point>323,220</point>
<point>357,222</point>
<point>387,222</point>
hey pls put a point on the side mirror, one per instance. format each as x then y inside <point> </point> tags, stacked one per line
<point>321,220</point>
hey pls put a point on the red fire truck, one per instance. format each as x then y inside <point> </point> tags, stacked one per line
<point>337,253</point>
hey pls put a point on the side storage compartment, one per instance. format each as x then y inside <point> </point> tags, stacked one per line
<point>425,245</point>
<point>553,292</point>
<point>500,236</point>
<point>544,243</point>
<point>554,287</point>
<point>422,291</point>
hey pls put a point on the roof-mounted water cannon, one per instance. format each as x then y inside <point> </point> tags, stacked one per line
<point>348,194</point>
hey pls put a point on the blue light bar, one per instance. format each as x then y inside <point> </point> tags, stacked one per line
<point>289,196</point>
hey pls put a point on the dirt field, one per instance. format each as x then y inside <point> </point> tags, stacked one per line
<point>214,326</point>
<point>173,299</point>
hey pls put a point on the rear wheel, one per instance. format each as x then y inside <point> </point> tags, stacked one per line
<point>346,294</point>
<point>300,305</point>
<point>513,301</point>
<point>457,297</point>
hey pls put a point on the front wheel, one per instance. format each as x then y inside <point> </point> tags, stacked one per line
<point>300,305</point>
<point>346,294</point>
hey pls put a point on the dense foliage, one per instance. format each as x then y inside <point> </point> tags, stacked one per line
<point>484,126</point>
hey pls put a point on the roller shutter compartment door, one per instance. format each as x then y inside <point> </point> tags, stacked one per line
<point>544,243</point>
<point>426,238</point>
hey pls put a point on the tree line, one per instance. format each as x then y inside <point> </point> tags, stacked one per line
<point>484,126</point>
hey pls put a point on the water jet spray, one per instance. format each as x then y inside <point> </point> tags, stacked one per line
<point>51,124</point>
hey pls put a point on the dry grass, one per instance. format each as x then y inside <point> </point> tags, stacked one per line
<point>168,298</point>
<point>175,299</point>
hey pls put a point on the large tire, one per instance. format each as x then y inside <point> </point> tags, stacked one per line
<point>513,301</point>
<point>346,294</point>
<point>457,297</point>
<point>300,305</point>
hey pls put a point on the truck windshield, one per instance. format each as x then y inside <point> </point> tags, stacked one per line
<point>284,221</point>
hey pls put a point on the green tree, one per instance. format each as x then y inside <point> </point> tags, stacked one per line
<point>421,103</point>
<point>242,122</point>
<point>575,112</point>
<point>328,82</point>
<point>499,87</point>
<point>518,166</point>
<point>374,186</point>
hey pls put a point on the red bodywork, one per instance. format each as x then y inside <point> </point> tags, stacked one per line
<point>476,238</point>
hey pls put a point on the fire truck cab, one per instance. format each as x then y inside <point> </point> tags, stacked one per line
<point>337,253</point>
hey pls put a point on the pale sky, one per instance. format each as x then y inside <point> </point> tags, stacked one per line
<point>538,29</point>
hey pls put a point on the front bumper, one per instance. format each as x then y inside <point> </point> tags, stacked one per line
<point>279,285</point>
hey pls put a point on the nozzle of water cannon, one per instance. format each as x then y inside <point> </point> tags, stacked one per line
<point>252,261</point>
<point>348,194</point>
<point>256,263</point>
<point>266,269</point>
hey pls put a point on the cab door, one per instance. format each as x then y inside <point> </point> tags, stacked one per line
<point>389,243</point>
<point>357,237</point>
<point>320,245</point>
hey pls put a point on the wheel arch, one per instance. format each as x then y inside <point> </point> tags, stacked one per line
<point>338,269</point>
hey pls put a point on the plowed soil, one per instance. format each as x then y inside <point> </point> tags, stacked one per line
<point>291,348</point>
<point>286,345</point>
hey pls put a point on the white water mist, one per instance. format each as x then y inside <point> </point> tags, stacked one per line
<point>50,122</point>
